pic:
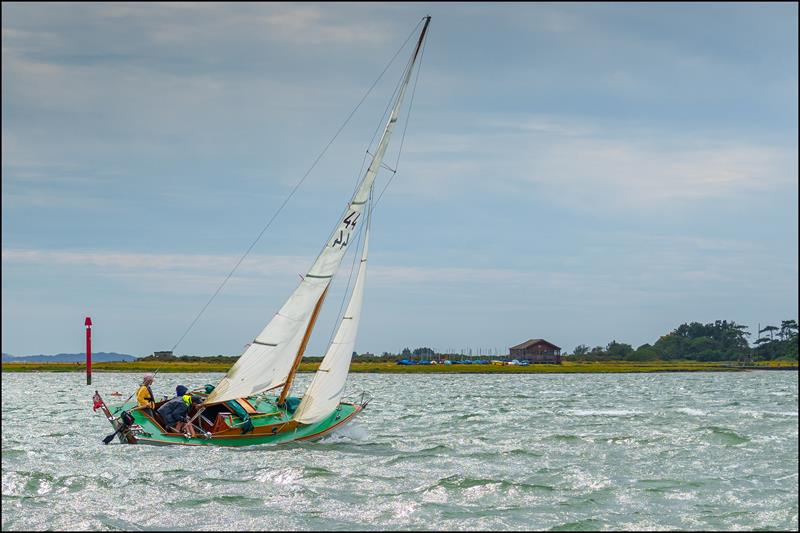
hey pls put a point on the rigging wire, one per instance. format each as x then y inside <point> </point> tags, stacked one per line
<point>381,120</point>
<point>405,126</point>
<point>374,204</point>
<point>360,175</point>
<point>294,190</point>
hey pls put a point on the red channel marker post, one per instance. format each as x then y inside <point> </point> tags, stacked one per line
<point>88,324</point>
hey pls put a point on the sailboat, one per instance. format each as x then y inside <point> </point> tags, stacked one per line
<point>243,408</point>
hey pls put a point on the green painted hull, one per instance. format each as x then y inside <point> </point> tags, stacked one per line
<point>268,415</point>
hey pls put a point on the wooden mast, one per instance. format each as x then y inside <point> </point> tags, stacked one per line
<point>299,356</point>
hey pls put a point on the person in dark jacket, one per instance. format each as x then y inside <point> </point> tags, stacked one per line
<point>175,413</point>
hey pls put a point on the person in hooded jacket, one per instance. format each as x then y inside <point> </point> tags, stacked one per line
<point>175,412</point>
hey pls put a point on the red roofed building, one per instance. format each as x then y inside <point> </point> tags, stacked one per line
<point>537,351</point>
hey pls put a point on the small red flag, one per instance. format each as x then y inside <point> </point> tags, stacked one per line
<point>98,401</point>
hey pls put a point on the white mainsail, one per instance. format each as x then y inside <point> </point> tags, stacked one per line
<point>327,386</point>
<point>270,359</point>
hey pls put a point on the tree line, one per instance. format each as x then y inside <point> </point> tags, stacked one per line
<point>717,341</point>
<point>721,340</point>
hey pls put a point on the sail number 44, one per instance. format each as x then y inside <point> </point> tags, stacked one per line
<point>349,225</point>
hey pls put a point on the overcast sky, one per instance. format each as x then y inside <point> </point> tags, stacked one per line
<point>575,172</point>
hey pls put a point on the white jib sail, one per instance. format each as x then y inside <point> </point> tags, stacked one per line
<point>267,362</point>
<point>328,384</point>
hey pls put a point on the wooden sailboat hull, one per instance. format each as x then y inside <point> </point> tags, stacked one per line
<point>271,425</point>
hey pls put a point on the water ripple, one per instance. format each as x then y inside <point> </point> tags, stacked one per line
<point>498,452</point>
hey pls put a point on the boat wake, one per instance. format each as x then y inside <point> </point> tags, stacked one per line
<point>352,433</point>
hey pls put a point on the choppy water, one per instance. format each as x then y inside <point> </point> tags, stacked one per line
<point>564,452</point>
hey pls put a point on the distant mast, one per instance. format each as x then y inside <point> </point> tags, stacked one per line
<point>88,324</point>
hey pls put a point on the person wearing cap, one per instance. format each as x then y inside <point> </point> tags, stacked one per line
<point>175,413</point>
<point>147,402</point>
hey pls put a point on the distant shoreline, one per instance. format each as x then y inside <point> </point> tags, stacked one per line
<point>392,368</point>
